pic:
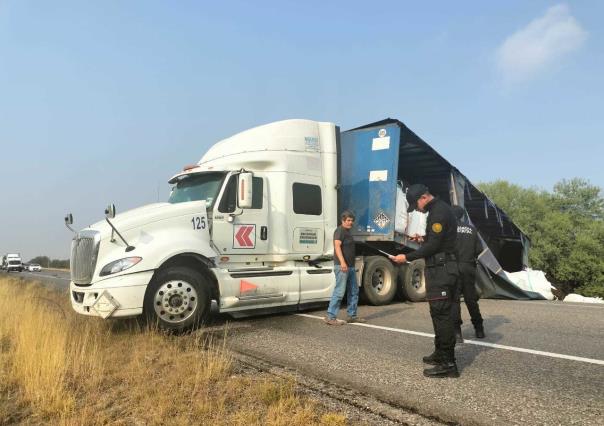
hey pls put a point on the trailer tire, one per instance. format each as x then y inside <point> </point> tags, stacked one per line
<point>412,281</point>
<point>177,299</point>
<point>379,280</point>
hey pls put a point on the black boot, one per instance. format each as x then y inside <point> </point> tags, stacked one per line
<point>458,336</point>
<point>479,333</point>
<point>447,369</point>
<point>432,359</point>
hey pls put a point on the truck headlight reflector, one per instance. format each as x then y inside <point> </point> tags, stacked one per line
<point>119,265</point>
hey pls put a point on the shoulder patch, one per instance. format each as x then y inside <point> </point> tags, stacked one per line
<point>437,227</point>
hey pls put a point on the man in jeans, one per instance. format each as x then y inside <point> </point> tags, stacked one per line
<point>346,280</point>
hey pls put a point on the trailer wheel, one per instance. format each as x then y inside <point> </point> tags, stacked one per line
<point>177,299</point>
<point>412,281</point>
<point>379,280</point>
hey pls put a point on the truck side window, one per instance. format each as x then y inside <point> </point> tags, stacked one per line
<point>258,186</point>
<point>307,199</point>
<point>229,199</point>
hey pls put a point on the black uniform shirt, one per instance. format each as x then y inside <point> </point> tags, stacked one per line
<point>468,243</point>
<point>441,231</point>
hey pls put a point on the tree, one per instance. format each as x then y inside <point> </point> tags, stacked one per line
<point>579,198</point>
<point>46,262</point>
<point>43,261</point>
<point>566,229</point>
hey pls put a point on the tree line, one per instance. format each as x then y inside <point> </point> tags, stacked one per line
<point>46,262</point>
<point>566,228</point>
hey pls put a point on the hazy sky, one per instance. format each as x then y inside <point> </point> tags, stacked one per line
<point>103,101</point>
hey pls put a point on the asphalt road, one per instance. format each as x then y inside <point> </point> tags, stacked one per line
<point>497,385</point>
<point>56,277</point>
<point>541,363</point>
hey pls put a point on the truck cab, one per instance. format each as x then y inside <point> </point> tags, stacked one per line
<point>249,226</point>
<point>13,263</point>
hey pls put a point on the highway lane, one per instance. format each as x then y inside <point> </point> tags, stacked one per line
<point>502,384</point>
<point>57,278</point>
<point>497,385</point>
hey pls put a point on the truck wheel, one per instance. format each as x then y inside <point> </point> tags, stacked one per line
<point>177,299</point>
<point>412,281</point>
<point>379,280</point>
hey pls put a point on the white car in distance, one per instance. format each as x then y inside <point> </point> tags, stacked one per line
<point>34,267</point>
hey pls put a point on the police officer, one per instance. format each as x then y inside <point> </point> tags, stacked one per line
<point>468,248</point>
<point>441,274</point>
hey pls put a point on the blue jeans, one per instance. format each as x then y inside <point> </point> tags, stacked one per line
<point>345,281</point>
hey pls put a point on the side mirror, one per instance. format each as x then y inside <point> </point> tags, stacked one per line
<point>244,190</point>
<point>69,221</point>
<point>110,211</point>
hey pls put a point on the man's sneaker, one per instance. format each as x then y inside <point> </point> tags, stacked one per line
<point>447,369</point>
<point>480,333</point>
<point>432,359</point>
<point>355,319</point>
<point>333,321</point>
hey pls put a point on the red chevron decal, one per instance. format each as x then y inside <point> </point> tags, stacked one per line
<point>242,236</point>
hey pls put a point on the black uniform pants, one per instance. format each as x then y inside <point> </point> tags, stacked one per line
<point>466,286</point>
<point>440,289</point>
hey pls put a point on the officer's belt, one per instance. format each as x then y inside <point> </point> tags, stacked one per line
<point>440,259</point>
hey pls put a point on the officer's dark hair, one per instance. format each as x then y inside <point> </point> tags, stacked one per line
<point>347,214</point>
<point>459,212</point>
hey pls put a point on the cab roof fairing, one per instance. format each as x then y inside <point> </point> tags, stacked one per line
<point>287,135</point>
<point>287,141</point>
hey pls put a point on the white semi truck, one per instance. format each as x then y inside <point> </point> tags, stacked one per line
<point>250,227</point>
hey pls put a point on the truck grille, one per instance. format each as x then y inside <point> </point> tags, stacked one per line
<point>84,252</point>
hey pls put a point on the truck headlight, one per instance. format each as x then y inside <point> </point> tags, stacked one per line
<point>119,265</point>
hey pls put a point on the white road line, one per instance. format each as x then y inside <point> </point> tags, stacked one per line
<point>475,342</point>
<point>558,304</point>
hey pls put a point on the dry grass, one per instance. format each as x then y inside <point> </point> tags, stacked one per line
<point>60,368</point>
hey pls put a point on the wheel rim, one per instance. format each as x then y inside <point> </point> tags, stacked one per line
<point>380,280</point>
<point>175,301</point>
<point>416,279</point>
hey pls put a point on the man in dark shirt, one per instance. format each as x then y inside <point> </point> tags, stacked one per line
<point>468,249</point>
<point>441,274</point>
<point>346,279</point>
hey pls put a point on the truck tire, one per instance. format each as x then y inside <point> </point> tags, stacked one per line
<point>412,281</point>
<point>379,280</point>
<point>177,299</point>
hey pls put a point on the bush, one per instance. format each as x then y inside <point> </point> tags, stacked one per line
<point>566,228</point>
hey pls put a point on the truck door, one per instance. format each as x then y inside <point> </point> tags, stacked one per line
<point>242,231</point>
<point>308,238</point>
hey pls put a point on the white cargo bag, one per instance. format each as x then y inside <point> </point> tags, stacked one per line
<point>416,224</point>
<point>400,218</point>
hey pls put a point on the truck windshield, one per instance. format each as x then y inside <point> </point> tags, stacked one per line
<point>197,187</point>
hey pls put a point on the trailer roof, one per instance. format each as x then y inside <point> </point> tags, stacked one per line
<point>422,160</point>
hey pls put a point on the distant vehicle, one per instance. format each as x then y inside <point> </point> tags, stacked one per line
<point>34,267</point>
<point>13,262</point>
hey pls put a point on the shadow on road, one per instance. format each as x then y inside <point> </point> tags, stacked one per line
<point>467,353</point>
